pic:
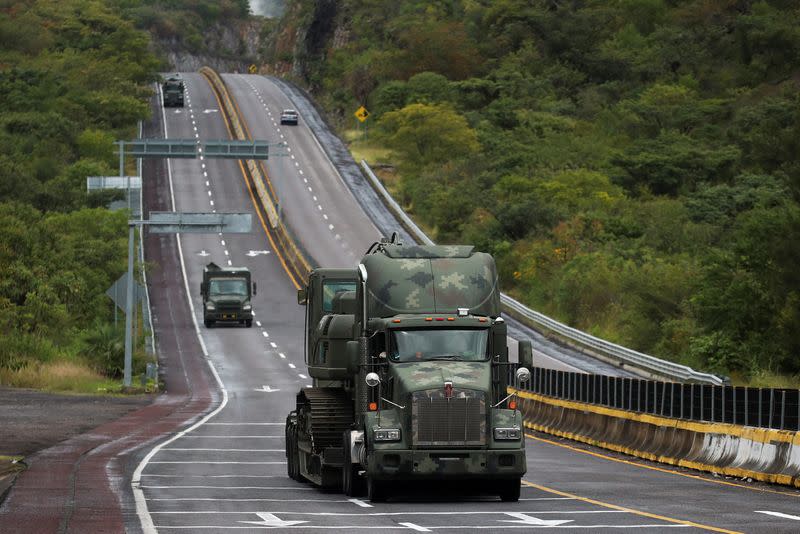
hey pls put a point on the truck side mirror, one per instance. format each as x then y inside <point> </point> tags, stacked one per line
<point>301,296</point>
<point>525,353</point>
<point>254,288</point>
<point>202,288</point>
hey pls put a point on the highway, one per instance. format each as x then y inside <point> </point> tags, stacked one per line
<point>226,470</point>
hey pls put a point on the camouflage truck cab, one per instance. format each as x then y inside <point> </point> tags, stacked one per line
<point>409,360</point>
<point>227,294</point>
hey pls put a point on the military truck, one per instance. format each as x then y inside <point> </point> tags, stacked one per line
<point>172,88</point>
<point>409,361</point>
<point>226,293</point>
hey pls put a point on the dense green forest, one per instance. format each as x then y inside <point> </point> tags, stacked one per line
<point>632,164</point>
<point>74,77</point>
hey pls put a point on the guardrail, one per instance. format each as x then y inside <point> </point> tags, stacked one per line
<point>753,407</point>
<point>594,346</point>
<point>297,262</point>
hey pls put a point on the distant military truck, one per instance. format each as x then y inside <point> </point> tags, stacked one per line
<point>172,88</point>
<point>226,293</point>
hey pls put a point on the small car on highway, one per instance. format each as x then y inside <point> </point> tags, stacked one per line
<point>289,116</point>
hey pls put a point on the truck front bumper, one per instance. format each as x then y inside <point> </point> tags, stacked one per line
<point>234,316</point>
<point>420,464</point>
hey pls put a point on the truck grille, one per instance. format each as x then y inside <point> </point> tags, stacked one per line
<point>229,306</point>
<point>458,421</point>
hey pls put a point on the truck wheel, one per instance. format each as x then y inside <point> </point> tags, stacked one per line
<point>248,323</point>
<point>509,490</point>
<point>208,322</point>
<point>376,490</point>
<point>292,454</point>
<point>352,482</point>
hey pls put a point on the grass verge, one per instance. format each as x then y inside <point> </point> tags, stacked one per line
<point>59,376</point>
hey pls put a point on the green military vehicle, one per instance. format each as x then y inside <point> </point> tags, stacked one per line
<point>226,293</point>
<point>172,88</point>
<point>409,360</point>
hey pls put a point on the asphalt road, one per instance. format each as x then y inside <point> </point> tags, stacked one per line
<point>227,471</point>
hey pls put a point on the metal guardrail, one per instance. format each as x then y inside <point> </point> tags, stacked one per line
<point>753,407</point>
<point>594,346</point>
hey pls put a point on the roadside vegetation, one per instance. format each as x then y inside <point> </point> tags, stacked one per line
<point>633,165</point>
<point>74,77</point>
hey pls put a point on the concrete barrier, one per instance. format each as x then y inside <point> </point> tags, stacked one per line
<point>733,450</point>
<point>297,264</point>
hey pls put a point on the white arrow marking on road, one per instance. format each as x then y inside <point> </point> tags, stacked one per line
<point>525,519</point>
<point>203,253</point>
<point>253,253</point>
<point>210,111</point>
<point>778,514</point>
<point>267,389</point>
<point>271,520</point>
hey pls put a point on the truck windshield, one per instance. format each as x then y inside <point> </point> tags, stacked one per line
<point>330,288</point>
<point>438,344</point>
<point>228,286</point>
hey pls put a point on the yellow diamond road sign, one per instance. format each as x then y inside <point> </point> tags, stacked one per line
<point>253,69</point>
<point>362,113</point>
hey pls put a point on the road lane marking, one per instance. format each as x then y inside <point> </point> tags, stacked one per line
<point>273,344</point>
<point>414,526</point>
<point>264,333</point>
<point>282,355</point>
<point>145,520</point>
<point>659,469</point>
<point>281,488</point>
<point>221,450</point>
<point>236,424</point>
<point>359,502</point>
<point>778,514</point>
<point>301,375</point>
<point>615,507</point>
<point>221,463</point>
<point>258,323</point>
<point>201,436</point>
<point>293,366</point>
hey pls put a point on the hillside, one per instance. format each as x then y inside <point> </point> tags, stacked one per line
<point>632,164</point>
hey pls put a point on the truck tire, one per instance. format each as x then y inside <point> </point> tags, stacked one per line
<point>376,490</point>
<point>208,322</point>
<point>248,323</point>
<point>352,482</point>
<point>509,490</point>
<point>292,454</point>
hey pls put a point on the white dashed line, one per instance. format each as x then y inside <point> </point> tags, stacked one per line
<point>222,242</point>
<point>230,263</point>
<point>282,355</point>
<point>263,333</point>
<point>293,366</point>
<point>301,375</point>
<point>226,253</point>
<point>330,227</point>
<point>319,207</point>
<point>258,323</point>
<point>324,216</point>
<point>300,171</point>
<point>273,345</point>
<point>211,202</point>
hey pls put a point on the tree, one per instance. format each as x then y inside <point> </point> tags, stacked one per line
<point>425,134</point>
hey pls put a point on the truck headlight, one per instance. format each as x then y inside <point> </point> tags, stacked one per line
<point>210,306</point>
<point>247,307</point>
<point>387,434</point>
<point>506,433</point>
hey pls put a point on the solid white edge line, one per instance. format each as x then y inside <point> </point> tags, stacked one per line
<point>146,521</point>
